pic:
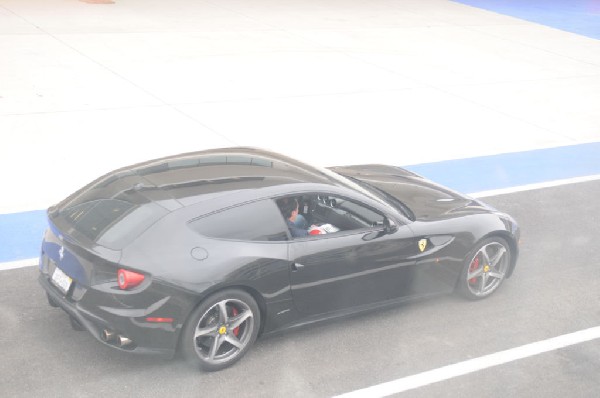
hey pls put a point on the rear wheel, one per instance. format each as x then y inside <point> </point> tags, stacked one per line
<point>485,268</point>
<point>51,300</point>
<point>221,330</point>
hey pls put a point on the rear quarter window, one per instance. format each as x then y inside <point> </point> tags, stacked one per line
<point>256,221</point>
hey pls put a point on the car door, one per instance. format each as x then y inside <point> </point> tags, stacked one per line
<point>351,267</point>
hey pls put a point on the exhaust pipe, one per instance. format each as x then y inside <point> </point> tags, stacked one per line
<point>108,335</point>
<point>124,341</point>
<point>111,337</point>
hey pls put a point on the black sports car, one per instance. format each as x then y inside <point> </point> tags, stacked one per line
<point>205,251</point>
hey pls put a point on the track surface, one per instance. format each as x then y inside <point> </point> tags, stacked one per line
<point>553,291</point>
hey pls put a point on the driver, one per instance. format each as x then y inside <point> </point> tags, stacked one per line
<point>289,209</point>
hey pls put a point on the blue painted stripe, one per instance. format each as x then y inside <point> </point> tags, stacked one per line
<point>577,16</point>
<point>514,169</point>
<point>21,233</point>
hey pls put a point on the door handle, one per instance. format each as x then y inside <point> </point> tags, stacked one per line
<point>297,266</point>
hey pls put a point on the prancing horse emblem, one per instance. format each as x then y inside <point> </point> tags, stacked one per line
<point>61,252</point>
<point>422,245</point>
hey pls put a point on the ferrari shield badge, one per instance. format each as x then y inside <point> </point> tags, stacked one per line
<point>422,245</point>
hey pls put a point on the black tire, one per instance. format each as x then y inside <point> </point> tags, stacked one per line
<point>221,330</point>
<point>51,301</point>
<point>485,268</point>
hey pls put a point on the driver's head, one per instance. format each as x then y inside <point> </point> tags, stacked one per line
<point>288,207</point>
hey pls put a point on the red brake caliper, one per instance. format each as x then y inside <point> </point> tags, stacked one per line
<point>474,265</point>
<point>234,312</point>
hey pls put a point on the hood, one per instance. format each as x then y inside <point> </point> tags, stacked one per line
<point>426,199</point>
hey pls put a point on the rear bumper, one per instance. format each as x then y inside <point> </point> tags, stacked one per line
<point>149,339</point>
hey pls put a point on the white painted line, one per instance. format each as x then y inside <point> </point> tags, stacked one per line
<point>29,262</point>
<point>474,365</point>
<point>530,187</point>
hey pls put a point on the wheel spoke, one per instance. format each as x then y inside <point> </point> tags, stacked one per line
<point>223,317</point>
<point>486,257</point>
<point>483,282</point>
<point>475,273</point>
<point>497,257</point>
<point>231,339</point>
<point>208,331</point>
<point>496,274</point>
<point>239,319</point>
<point>215,347</point>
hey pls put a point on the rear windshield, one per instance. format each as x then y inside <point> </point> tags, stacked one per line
<point>111,223</point>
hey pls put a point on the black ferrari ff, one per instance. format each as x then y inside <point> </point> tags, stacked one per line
<point>205,251</point>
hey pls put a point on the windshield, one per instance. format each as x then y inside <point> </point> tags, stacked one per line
<point>388,198</point>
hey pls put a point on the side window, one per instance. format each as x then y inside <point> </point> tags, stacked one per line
<point>346,214</point>
<point>257,221</point>
<point>318,214</point>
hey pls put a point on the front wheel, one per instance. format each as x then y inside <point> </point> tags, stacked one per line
<point>221,330</point>
<point>485,268</point>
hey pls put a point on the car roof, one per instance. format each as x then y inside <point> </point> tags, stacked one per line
<point>180,180</point>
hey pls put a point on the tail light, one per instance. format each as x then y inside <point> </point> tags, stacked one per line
<point>128,279</point>
<point>159,320</point>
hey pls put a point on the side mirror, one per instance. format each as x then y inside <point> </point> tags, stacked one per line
<point>389,226</point>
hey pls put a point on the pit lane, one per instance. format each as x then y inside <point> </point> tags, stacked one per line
<point>553,291</point>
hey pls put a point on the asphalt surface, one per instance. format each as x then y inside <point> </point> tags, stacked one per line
<point>554,290</point>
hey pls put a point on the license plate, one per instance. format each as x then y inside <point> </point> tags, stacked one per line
<point>62,280</point>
